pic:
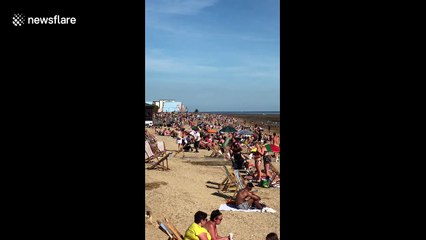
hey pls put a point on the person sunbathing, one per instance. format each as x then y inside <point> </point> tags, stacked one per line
<point>166,132</point>
<point>216,150</point>
<point>227,154</point>
<point>246,199</point>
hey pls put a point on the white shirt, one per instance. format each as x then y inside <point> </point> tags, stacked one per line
<point>197,136</point>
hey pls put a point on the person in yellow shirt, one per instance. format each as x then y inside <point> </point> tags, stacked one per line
<point>196,230</point>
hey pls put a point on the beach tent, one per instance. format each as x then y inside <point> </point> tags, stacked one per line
<point>228,129</point>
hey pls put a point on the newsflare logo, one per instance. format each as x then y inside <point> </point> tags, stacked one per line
<point>19,19</point>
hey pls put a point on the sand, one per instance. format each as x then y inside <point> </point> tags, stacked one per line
<point>183,190</point>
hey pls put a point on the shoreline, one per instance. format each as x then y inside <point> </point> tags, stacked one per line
<point>261,120</point>
<point>252,119</point>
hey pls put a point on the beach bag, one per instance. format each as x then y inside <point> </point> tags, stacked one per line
<point>264,183</point>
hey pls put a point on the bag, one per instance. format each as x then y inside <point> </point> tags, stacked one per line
<point>264,183</point>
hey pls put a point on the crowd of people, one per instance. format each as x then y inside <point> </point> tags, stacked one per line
<point>194,131</point>
<point>203,133</point>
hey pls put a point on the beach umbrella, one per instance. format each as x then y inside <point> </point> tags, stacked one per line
<point>228,129</point>
<point>195,128</point>
<point>272,148</point>
<point>245,132</point>
<point>211,131</point>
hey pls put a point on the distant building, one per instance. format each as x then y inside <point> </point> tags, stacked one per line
<point>168,105</point>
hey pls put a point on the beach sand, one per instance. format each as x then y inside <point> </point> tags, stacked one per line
<point>183,190</point>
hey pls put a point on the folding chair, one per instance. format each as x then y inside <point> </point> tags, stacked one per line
<point>149,154</point>
<point>229,181</point>
<point>168,228</point>
<point>238,182</point>
<point>160,163</point>
<point>226,183</point>
<point>161,147</point>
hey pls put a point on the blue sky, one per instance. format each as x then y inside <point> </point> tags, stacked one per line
<point>213,55</point>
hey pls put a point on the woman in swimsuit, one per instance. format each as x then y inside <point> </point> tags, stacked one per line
<point>257,156</point>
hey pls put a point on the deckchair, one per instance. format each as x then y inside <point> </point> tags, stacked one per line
<point>165,230</point>
<point>238,182</point>
<point>228,181</point>
<point>160,163</point>
<point>162,148</point>
<point>149,153</point>
<point>168,228</point>
<point>232,179</point>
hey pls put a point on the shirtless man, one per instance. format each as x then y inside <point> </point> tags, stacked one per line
<point>246,198</point>
<point>211,226</point>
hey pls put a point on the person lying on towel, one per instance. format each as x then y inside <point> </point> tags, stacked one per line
<point>247,199</point>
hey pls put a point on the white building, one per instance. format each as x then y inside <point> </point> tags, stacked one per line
<point>167,105</point>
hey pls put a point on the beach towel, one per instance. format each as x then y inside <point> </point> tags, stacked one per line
<point>231,207</point>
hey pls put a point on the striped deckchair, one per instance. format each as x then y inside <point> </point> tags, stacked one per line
<point>233,179</point>
<point>161,164</point>
<point>149,154</point>
<point>170,230</point>
<point>162,148</point>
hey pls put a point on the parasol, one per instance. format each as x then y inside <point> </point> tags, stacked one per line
<point>228,129</point>
<point>245,132</point>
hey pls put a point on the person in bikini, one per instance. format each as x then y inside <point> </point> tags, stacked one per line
<point>246,199</point>
<point>267,163</point>
<point>257,156</point>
